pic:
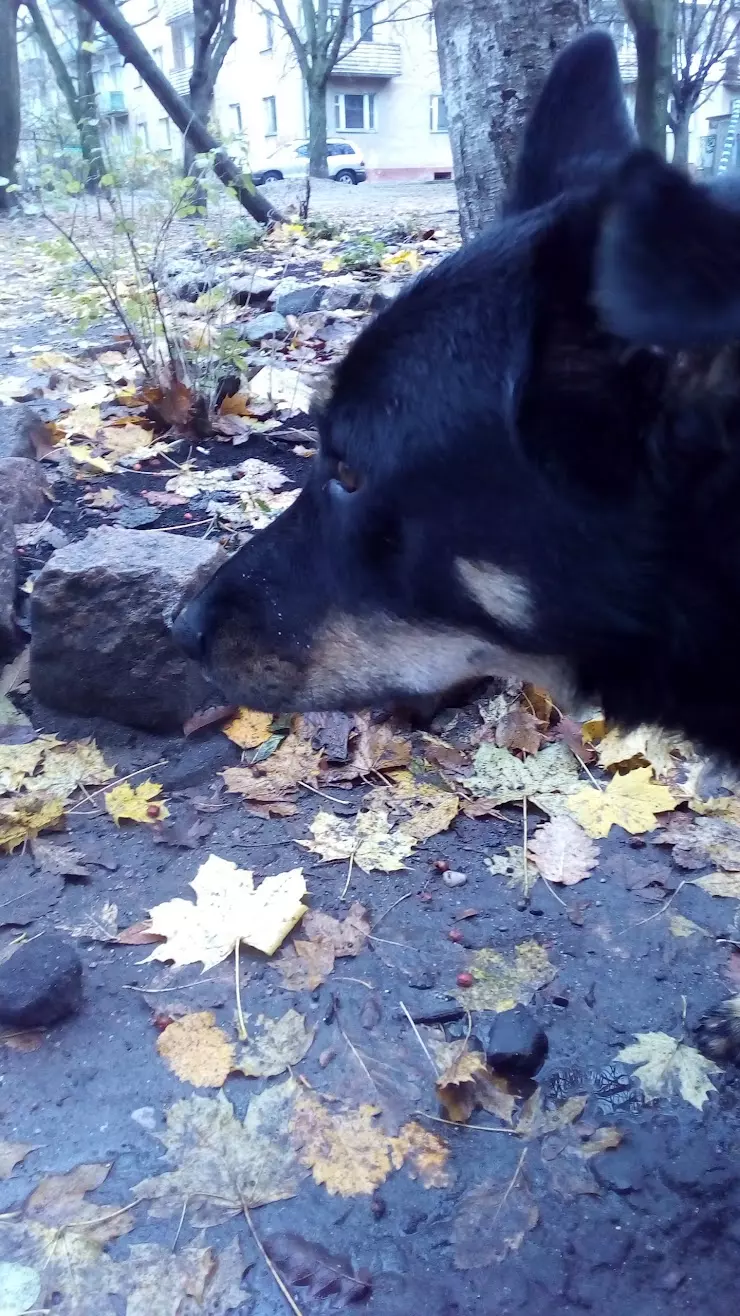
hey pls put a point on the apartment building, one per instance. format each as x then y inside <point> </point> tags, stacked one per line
<point>384,94</point>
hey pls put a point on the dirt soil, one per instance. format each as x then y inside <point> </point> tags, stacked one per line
<point>650,1228</point>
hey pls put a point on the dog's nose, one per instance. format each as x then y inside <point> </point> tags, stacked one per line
<point>188,630</point>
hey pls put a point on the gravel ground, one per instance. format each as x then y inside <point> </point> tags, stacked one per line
<point>375,204</point>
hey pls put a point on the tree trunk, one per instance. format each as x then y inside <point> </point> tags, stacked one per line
<point>316,90</point>
<point>653,24</point>
<point>494,56</point>
<point>680,126</point>
<point>87,120</point>
<point>135,52</point>
<point>10,99</point>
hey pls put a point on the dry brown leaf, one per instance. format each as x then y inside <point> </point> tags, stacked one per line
<point>277,778</point>
<point>536,1122</point>
<point>310,959</point>
<point>11,1154</point>
<point>500,984</point>
<point>61,859</point>
<point>223,1164</point>
<point>562,852</point>
<point>350,1153</point>
<point>228,909</point>
<point>279,1044</point>
<point>519,729</point>
<point>468,1083</point>
<point>698,842</point>
<point>492,1220</point>
<point>376,748</point>
<point>59,1203</point>
<point>197,1051</point>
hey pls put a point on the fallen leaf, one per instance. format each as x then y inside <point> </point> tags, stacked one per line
<point>630,801</point>
<point>11,1154</point>
<point>248,729</point>
<point>136,802</point>
<point>228,909</point>
<point>375,748</point>
<point>719,884</point>
<point>367,838</point>
<point>323,1274</point>
<point>518,729</point>
<point>206,717</point>
<point>23,818</point>
<point>59,1202</point>
<point>511,866</point>
<point>280,1044</point>
<point>197,1051</point>
<point>702,841</point>
<point>97,925</point>
<point>326,731</point>
<point>562,852</point>
<point>683,927</point>
<point>644,746</point>
<point>223,1164</point>
<point>350,1154</point>
<point>310,959</point>
<point>666,1065</point>
<point>18,764</point>
<point>492,1220</point>
<point>536,1122</point>
<point>467,1083</point>
<point>279,777</point>
<point>499,984</point>
<point>544,778</point>
<point>62,860</point>
<point>426,810</point>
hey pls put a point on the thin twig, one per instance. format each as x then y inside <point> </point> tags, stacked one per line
<point>180,1225</point>
<point>275,1275</point>
<point>349,871</point>
<point>525,862</point>
<point>390,907</point>
<point>420,1040</point>
<point>118,782</point>
<point>241,1024</point>
<point>658,912</point>
<point>474,1128</point>
<point>155,991</point>
<point>316,791</point>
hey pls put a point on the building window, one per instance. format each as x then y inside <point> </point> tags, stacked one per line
<point>354,112</point>
<point>165,133</point>
<point>363,25</point>
<point>432,30</point>
<point>437,114</point>
<point>182,47</point>
<point>268,30</point>
<point>270,110</point>
<point>142,133</point>
<point>158,56</point>
<point>236,117</point>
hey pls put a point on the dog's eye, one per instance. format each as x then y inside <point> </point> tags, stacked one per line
<point>349,479</point>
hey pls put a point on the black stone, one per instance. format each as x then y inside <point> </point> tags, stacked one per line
<point>516,1043</point>
<point>300,301</point>
<point>41,983</point>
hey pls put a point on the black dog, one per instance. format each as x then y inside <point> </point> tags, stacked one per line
<point>530,462</point>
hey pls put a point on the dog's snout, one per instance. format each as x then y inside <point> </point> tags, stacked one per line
<point>189,630</point>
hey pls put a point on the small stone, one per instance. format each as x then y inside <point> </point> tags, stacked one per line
<point>300,301</point>
<point>41,983</point>
<point>146,1116</point>
<point>341,296</point>
<point>250,289</point>
<point>269,325</point>
<point>453,879</point>
<point>516,1043</point>
<point>188,287</point>
<point>455,934</point>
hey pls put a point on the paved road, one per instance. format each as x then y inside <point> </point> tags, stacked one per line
<point>376,203</point>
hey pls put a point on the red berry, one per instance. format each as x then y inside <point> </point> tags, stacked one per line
<point>187,516</point>
<point>137,466</point>
<point>152,810</point>
<point>426,896</point>
<point>455,934</point>
<point>464,980</point>
<point>441,865</point>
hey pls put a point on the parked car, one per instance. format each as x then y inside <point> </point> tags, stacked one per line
<point>344,161</point>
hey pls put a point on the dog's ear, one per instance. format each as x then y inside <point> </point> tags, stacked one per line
<point>580,127</point>
<point>667,270</point>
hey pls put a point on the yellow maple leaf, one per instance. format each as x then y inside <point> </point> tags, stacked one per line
<point>82,455</point>
<point>720,884</point>
<point>68,766</point>
<point>664,1064</point>
<point>630,801</point>
<point>429,810</point>
<point>350,1153</point>
<point>248,729</point>
<point>136,802</point>
<point>26,816</point>
<point>367,839</point>
<point>83,420</point>
<point>228,909</point>
<point>499,984</point>
<point>18,763</point>
<point>278,1045</point>
<point>197,1051</point>
<point>643,746</point>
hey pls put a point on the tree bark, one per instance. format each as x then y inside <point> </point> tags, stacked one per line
<point>87,119</point>
<point>10,99</point>
<point>680,122</point>
<point>494,56</point>
<point>317,166</point>
<point>135,52</point>
<point>213,37</point>
<point>653,24</point>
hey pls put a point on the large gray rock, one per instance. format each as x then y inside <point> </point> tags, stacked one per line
<point>269,325</point>
<point>342,295</point>
<point>299,301</point>
<point>23,496</point>
<point>250,289</point>
<point>19,425</point>
<point>100,627</point>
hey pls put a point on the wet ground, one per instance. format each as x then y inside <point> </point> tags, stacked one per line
<point>651,1227</point>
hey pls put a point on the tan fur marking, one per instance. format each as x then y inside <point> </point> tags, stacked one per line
<point>503,595</point>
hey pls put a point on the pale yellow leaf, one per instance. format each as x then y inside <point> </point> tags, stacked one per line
<point>501,778</point>
<point>630,801</point>
<point>228,909</point>
<point>11,1154</point>
<point>278,1044</point>
<point>644,746</point>
<point>500,983</point>
<point>367,838</point>
<point>683,927</point>
<point>666,1066</point>
<point>137,803</point>
<point>720,884</point>
<point>562,852</point>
